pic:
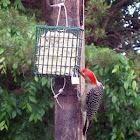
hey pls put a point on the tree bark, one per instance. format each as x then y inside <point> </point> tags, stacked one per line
<point>46,11</point>
<point>68,119</point>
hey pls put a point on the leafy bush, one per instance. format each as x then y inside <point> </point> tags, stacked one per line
<point>17,39</point>
<point>119,116</point>
<point>25,102</point>
<point>95,13</point>
<point>7,3</point>
<point>25,113</point>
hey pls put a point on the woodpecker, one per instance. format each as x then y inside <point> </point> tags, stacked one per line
<point>90,100</point>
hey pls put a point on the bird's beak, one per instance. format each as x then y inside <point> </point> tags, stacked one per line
<point>81,72</point>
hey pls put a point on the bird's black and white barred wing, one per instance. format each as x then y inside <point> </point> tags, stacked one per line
<point>93,100</point>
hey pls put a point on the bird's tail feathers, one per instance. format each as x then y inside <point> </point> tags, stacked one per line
<point>85,127</point>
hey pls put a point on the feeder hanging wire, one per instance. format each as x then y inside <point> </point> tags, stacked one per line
<point>59,5</point>
<point>58,17</point>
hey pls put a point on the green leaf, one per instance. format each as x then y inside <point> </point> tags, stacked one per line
<point>117,108</point>
<point>14,114</point>
<point>2,124</point>
<point>36,79</point>
<point>35,118</point>
<point>41,111</point>
<point>111,117</point>
<point>51,104</point>
<point>1,66</point>
<point>29,35</point>
<point>5,3</point>
<point>15,66</point>
<point>122,135</point>
<point>114,99</point>
<point>18,137</point>
<point>136,103</point>
<point>19,111</point>
<point>130,63</point>
<point>134,94</point>
<point>39,117</point>
<point>95,118</point>
<point>2,59</point>
<point>137,123</point>
<point>127,67</point>
<point>6,127</point>
<point>2,115</point>
<point>44,81</point>
<point>101,71</point>
<point>32,99</point>
<point>106,69</point>
<point>19,4</point>
<point>1,128</point>
<point>114,70</point>
<point>132,72</point>
<point>134,85</point>
<point>113,137</point>
<point>1,50</point>
<point>29,62</point>
<point>126,85</point>
<point>31,117</point>
<point>124,101</point>
<point>29,107</point>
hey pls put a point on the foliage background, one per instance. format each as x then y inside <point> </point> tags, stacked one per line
<point>119,115</point>
<point>26,102</point>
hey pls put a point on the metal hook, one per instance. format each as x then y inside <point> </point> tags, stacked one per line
<point>63,1</point>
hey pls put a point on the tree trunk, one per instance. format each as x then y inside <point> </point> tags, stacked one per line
<point>46,11</point>
<point>68,119</point>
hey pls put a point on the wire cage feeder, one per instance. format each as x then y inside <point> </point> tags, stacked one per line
<point>57,50</point>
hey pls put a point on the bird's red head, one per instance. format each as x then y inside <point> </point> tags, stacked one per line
<point>89,75</point>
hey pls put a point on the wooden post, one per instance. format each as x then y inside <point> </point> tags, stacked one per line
<point>68,121</point>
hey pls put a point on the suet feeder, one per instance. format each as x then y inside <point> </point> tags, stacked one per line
<point>57,50</point>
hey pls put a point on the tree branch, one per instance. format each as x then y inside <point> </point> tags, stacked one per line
<point>127,29</point>
<point>123,30</point>
<point>126,18</point>
<point>137,133</point>
<point>112,11</point>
